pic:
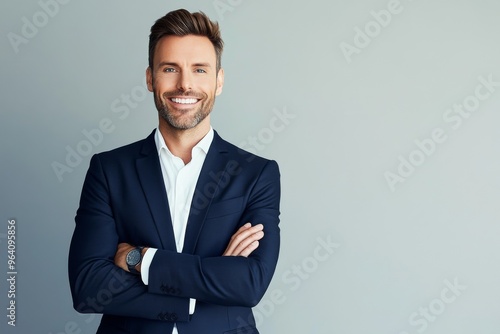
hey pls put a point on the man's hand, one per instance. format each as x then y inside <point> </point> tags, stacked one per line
<point>121,255</point>
<point>242,243</point>
<point>245,240</point>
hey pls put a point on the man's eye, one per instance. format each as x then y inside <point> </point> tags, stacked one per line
<point>200,70</point>
<point>168,69</point>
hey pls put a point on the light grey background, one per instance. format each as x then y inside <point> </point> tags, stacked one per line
<point>351,119</point>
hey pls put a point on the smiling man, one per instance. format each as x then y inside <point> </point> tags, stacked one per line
<point>185,81</point>
<point>177,233</point>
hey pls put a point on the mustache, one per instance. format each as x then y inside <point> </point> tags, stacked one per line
<point>190,93</point>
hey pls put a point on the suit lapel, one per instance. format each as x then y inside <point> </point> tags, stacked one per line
<point>153,187</point>
<point>206,189</point>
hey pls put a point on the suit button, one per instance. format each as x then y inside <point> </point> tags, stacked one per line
<point>173,317</point>
<point>165,316</point>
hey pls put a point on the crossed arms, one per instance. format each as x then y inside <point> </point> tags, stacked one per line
<point>242,243</point>
<point>100,282</point>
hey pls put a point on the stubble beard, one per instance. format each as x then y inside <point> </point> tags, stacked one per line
<point>180,122</point>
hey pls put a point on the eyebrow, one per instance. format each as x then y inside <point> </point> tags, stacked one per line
<point>166,63</point>
<point>202,65</point>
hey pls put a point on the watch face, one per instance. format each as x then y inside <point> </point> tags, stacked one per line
<point>133,257</point>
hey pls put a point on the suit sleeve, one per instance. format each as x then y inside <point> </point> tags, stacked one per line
<point>97,285</point>
<point>228,280</point>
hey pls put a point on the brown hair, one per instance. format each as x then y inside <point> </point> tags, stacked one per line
<point>181,23</point>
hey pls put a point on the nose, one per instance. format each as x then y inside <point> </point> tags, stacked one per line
<point>185,81</point>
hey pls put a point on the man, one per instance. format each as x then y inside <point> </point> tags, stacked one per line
<point>177,233</point>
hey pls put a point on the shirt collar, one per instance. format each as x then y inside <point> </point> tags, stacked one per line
<point>203,144</point>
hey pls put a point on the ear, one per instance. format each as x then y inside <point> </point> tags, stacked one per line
<point>149,78</point>
<point>220,81</point>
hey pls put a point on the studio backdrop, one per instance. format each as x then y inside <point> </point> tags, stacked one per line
<point>382,114</point>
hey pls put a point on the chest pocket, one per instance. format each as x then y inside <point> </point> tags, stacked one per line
<point>225,207</point>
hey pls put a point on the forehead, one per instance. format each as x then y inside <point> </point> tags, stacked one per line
<point>185,49</point>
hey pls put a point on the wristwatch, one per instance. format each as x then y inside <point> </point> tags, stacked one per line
<point>133,258</point>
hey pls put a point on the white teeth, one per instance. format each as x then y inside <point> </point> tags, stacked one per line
<point>184,101</point>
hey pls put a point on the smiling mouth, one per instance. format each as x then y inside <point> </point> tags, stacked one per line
<point>184,101</point>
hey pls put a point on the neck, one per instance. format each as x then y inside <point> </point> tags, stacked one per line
<point>181,142</point>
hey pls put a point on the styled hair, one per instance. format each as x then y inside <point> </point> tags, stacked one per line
<point>182,23</point>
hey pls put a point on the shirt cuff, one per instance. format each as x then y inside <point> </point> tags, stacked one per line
<point>146,262</point>
<point>192,305</point>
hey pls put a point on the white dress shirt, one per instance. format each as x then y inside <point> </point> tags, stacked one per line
<point>180,182</point>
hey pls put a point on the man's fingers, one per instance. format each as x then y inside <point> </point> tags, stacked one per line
<point>249,249</point>
<point>247,242</point>
<point>232,243</point>
<point>242,242</point>
<point>242,234</point>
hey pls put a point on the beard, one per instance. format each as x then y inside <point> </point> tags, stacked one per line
<point>186,118</point>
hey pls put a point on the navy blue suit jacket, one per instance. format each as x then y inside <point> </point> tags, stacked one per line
<point>124,200</point>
